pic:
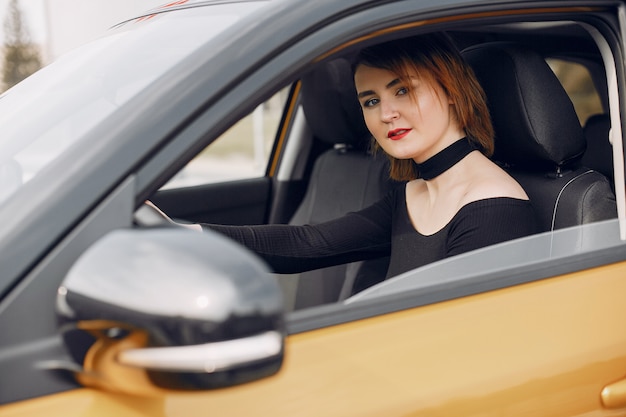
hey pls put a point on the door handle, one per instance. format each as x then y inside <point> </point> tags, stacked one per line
<point>614,395</point>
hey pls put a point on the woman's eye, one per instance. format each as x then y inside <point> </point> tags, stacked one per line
<point>371,102</point>
<point>402,91</point>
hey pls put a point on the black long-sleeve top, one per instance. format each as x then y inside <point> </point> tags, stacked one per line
<point>385,229</point>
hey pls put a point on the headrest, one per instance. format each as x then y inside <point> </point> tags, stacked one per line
<point>534,119</point>
<point>331,106</point>
<point>599,154</point>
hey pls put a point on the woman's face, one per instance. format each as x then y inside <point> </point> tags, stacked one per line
<point>408,122</point>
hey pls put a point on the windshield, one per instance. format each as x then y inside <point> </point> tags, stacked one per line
<point>50,111</point>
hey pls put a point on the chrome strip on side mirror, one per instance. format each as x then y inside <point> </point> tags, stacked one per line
<point>208,357</point>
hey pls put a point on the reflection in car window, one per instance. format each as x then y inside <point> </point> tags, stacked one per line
<point>241,152</point>
<point>82,88</point>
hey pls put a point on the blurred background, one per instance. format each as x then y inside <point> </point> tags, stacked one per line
<point>35,32</point>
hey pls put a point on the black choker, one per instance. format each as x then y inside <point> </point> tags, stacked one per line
<point>445,159</point>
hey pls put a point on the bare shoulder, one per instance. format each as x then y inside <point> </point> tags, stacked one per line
<point>490,181</point>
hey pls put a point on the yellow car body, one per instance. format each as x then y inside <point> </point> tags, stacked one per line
<point>484,348</point>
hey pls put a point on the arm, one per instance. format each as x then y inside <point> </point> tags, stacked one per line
<point>287,248</point>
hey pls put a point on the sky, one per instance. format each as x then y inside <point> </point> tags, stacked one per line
<point>61,25</point>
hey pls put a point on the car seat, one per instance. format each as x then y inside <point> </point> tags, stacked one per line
<point>344,178</point>
<point>599,153</point>
<point>538,137</point>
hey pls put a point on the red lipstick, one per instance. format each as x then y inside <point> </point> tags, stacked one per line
<point>397,134</point>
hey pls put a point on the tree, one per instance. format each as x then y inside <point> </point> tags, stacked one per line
<point>21,56</point>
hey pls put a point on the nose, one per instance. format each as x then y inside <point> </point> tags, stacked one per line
<point>389,112</point>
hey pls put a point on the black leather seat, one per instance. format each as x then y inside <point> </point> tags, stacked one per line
<point>345,178</point>
<point>539,139</point>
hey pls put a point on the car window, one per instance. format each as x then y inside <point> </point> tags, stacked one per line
<point>241,152</point>
<point>578,84</point>
<point>500,262</point>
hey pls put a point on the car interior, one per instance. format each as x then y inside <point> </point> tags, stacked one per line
<point>561,156</point>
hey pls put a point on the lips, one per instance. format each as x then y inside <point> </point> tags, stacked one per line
<point>397,134</point>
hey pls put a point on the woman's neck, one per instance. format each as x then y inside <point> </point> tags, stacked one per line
<point>445,159</point>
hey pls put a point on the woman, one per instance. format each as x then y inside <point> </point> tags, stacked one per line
<point>427,112</point>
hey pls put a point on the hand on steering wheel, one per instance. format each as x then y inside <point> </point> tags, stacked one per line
<point>149,215</point>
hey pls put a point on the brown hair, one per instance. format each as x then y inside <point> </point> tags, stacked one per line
<point>438,58</point>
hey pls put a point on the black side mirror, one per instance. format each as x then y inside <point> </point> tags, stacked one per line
<point>171,308</point>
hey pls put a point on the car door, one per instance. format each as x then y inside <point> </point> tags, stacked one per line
<point>530,327</point>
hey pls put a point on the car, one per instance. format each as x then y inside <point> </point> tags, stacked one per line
<point>243,112</point>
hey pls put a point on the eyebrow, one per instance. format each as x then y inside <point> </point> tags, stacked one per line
<point>371,92</point>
